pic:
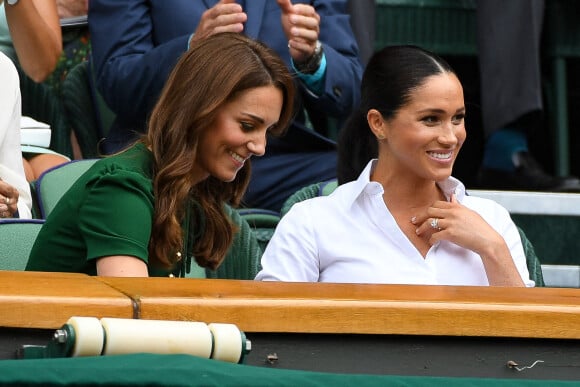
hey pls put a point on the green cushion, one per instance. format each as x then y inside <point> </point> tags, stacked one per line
<point>52,184</point>
<point>16,238</point>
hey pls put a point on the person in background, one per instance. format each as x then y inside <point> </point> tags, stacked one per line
<point>405,220</point>
<point>15,196</point>
<point>151,208</point>
<point>30,35</point>
<point>135,44</point>
<point>509,39</point>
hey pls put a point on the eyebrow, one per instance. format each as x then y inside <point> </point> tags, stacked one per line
<point>441,111</point>
<point>254,117</point>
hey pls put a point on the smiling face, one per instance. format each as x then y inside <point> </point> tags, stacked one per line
<point>238,132</point>
<point>424,137</point>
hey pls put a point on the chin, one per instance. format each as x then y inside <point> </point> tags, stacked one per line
<point>226,177</point>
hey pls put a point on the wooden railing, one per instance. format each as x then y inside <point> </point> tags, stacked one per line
<point>47,300</point>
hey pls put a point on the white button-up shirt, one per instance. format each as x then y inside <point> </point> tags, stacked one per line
<point>351,237</point>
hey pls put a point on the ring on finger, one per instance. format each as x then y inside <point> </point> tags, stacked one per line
<point>7,200</point>
<point>435,224</point>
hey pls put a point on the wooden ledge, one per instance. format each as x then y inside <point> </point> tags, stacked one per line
<point>352,308</point>
<point>48,300</point>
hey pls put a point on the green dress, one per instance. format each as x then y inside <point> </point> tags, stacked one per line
<point>108,211</point>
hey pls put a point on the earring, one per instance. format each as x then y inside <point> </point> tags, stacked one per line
<point>381,136</point>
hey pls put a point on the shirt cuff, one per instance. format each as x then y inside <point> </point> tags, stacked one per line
<point>314,82</point>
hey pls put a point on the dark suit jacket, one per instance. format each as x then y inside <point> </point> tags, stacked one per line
<point>136,43</point>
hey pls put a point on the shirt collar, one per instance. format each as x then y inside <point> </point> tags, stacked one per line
<point>364,185</point>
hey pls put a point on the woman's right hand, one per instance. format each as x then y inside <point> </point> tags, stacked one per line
<point>8,200</point>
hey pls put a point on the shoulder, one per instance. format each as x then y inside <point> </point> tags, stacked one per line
<point>320,209</point>
<point>487,208</point>
<point>131,166</point>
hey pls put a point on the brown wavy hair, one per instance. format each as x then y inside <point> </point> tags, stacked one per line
<point>212,73</point>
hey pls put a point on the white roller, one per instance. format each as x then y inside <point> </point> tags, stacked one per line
<point>88,336</point>
<point>125,336</point>
<point>227,342</point>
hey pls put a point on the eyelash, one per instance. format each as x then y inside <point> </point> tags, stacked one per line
<point>246,126</point>
<point>434,119</point>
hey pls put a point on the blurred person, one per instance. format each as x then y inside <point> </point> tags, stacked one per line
<point>30,35</point>
<point>509,35</point>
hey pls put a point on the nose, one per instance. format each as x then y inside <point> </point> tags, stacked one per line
<point>257,144</point>
<point>448,135</point>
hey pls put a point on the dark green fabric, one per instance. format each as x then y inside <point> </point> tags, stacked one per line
<point>243,258</point>
<point>262,222</point>
<point>555,237</point>
<point>532,260</point>
<point>307,192</point>
<point>42,103</point>
<point>184,370</point>
<point>78,105</point>
<point>53,184</point>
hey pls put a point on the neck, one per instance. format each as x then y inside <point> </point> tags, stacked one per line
<point>407,192</point>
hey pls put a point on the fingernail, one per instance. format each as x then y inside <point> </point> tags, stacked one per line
<point>413,219</point>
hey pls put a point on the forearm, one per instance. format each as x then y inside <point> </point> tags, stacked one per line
<point>499,265</point>
<point>71,8</point>
<point>36,35</point>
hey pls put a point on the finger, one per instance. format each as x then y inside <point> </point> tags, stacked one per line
<point>428,227</point>
<point>285,6</point>
<point>307,22</point>
<point>453,198</point>
<point>305,35</point>
<point>306,10</point>
<point>305,47</point>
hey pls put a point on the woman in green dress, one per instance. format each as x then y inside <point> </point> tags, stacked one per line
<point>143,211</point>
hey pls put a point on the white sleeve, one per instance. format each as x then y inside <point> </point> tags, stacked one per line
<point>292,254</point>
<point>514,242</point>
<point>507,228</point>
<point>10,149</point>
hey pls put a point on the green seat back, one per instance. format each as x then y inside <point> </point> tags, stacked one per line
<point>262,222</point>
<point>243,258</point>
<point>52,184</point>
<point>88,115</point>
<point>17,237</point>
<point>78,105</point>
<point>324,188</point>
<point>532,260</point>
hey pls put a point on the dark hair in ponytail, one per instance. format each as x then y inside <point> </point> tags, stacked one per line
<point>390,77</point>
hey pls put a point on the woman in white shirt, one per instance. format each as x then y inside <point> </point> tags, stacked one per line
<point>405,219</point>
